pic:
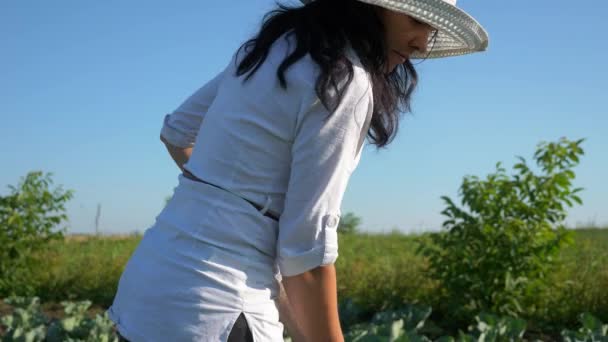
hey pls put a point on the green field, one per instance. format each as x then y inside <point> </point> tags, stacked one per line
<point>376,272</point>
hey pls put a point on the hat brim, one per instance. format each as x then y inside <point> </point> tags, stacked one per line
<point>458,33</point>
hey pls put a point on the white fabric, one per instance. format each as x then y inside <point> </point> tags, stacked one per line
<point>211,255</point>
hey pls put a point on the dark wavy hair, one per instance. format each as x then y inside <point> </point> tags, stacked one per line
<point>324,28</point>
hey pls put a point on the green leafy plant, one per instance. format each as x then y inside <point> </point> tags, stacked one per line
<point>350,313</point>
<point>28,216</point>
<point>491,328</point>
<point>500,249</point>
<point>592,330</point>
<point>494,328</point>
<point>75,326</point>
<point>409,323</point>
<point>27,323</point>
<point>395,325</point>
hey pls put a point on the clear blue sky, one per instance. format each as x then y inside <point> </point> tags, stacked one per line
<point>84,86</point>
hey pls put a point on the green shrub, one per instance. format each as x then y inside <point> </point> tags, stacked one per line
<point>28,216</point>
<point>349,224</point>
<point>500,250</point>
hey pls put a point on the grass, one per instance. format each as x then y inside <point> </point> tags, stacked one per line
<point>84,268</point>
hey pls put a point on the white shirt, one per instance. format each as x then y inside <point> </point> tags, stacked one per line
<point>279,148</point>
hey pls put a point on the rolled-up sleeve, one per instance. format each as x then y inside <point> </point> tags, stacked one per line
<point>323,152</point>
<point>182,125</point>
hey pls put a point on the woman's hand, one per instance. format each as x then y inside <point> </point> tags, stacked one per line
<point>179,154</point>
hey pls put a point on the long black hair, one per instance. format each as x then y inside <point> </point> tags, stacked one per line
<point>324,29</point>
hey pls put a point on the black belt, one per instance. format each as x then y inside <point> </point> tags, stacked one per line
<point>189,175</point>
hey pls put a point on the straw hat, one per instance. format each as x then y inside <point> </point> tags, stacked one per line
<point>458,32</point>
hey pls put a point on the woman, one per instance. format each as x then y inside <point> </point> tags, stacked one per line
<point>266,149</point>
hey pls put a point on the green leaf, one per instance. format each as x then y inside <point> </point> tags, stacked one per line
<point>69,324</point>
<point>396,329</point>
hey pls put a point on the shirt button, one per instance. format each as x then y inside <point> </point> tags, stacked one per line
<point>332,221</point>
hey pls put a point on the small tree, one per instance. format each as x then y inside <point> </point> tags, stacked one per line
<point>349,224</point>
<point>28,216</point>
<point>501,248</point>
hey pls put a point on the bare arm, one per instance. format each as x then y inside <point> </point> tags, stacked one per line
<point>287,317</point>
<point>179,154</point>
<point>313,299</point>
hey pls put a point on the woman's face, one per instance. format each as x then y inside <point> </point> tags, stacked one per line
<point>404,35</point>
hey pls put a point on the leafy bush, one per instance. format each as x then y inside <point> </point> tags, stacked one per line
<point>27,218</point>
<point>500,250</point>
<point>349,224</point>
